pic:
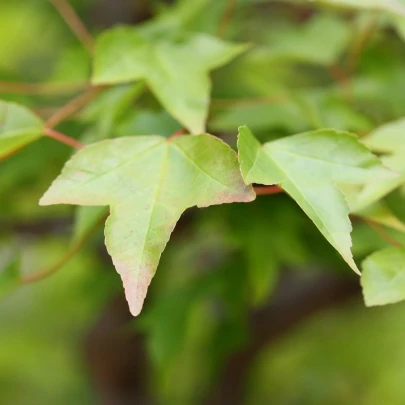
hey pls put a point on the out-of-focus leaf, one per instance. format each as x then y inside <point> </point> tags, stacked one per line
<point>266,116</point>
<point>380,213</point>
<point>377,85</point>
<point>176,71</point>
<point>373,192</point>
<point>389,139</point>
<point>148,122</point>
<point>148,183</point>
<point>383,278</point>
<point>73,65</point>
<point>262,239</point>
<point>333,111</point>
<point>179,17</point>
<point>108,109</point>
<point>9,277</point>
<point>86,219</point>
<point>320,40</point>
<point>18,127</point>
<point>308,166</point>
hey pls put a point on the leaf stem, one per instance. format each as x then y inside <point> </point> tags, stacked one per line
<point>360,42</point>
<point>178,133</point>
<point>73,106</point>
<point>75,247</point>
<point>74,22</point>
<point>58,136</point>
<point>339,75</point>
<point>226,18</point>
<point>267,190</point>
<point>383,233</point>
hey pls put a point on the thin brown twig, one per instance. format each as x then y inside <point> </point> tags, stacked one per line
<point>72,106</point>
<point>383,233</point>
<point>71,18</point>
<point>359,44</point>
<point>267,190</point>
<point>76,247</point>
<point>41,88</point>
<point>340,76</point>
<point>9,154</point>
<point>62,138</point>
<point>180,132</point>
<point>226,18</point>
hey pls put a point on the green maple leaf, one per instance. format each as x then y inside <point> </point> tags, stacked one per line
<point>309,167</point>
<point>383,278</point>
<point>176,71</point>
<point>18,127</point>
<point>148,182</point>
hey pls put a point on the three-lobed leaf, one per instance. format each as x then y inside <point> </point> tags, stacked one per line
<point>309,167</point>
<point>18,127</point>
<point>177,71</point>
<point>383,278</point>
<point>148,182</point>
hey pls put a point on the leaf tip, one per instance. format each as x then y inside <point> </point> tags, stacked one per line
<point>136,286</point>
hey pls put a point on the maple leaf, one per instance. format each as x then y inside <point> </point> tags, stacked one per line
<point>309,167</point>
<point>148,182</point>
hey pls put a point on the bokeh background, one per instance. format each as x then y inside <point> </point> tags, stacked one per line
<point>250,305</point>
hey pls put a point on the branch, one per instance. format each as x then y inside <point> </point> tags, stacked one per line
<point>267,190</point>
<point>73,106</point>
<point>76,247</point>
<point>75,23</point>
<point>383,233</point>
<point>340,76</point>
<point>178,133</point>
<point>360,42</point>
<point>67,140</point>
<point>226,18</point>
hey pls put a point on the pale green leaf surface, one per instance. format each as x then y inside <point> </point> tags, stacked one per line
<point>320,40</point>
<point>390,140</point>
<point>176,72</point>
<point>148,122</point>
<point>18,127</point>
<point>148,183</point>
<point>383,278</point>
<point>309,166</point>
<point>380,213</point>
